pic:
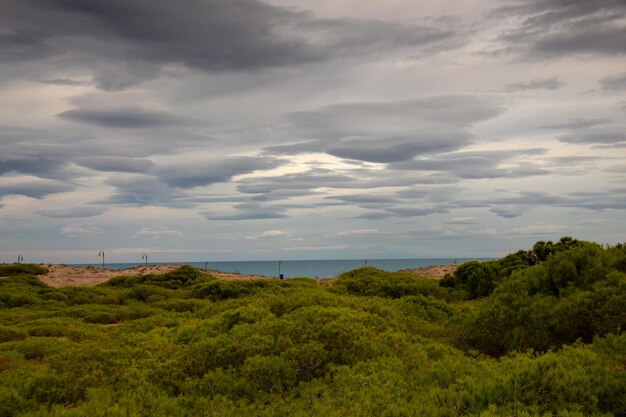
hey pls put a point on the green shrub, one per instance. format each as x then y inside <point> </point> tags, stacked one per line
<point>182,277</point>
<point>479,279</point>
<point>575,294</point>
<point>21,269</point>
<point>223,290</point>
<point>374,343</point>
<point>10,333</point>
<point>101,318</point>
<point>370,281</point>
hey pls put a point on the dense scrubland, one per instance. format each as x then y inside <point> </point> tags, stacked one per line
<point>537,333</point>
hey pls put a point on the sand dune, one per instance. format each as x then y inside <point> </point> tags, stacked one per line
<point>66,276</point>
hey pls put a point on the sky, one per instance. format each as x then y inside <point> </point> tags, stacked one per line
<point>216,130</point>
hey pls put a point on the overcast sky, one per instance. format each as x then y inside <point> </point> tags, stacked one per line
<point>207,130</point>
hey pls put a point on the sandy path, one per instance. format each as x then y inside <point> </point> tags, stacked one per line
<point>66,276</point>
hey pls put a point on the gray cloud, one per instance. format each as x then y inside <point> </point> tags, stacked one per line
<point>142,190</point>
<point>33,164</point>
<point>298,181</point>
<point>614,83</point>
<point>213,171</point>
<point>552,83</point>
<point>520,203</point>
<point>224,35</point>
<point>600,200</point>
<point>72,213</point>
<point>475,165</point>
<point>564,27</point>
<point>249,211</point>
<point>168,184</point>
<point>59,154</point>
<point>115,163</point>
<point>123,117</point>
<point>508,212</point>
<point>389,131</point>
<point>35,189</point>
<point>365,199</point>
<point>67,81</point>
<point>577,124</point>
<point>595,136</point>
<point>403,212</point>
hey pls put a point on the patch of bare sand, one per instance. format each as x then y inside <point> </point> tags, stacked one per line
<point>433,271</point>
<point>69,276</point>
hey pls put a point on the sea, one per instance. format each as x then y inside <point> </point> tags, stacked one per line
<point>306,269</point>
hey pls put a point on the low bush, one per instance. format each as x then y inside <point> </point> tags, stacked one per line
<point>21,269</point>
<point>370,281</point>
<point>547,340</point>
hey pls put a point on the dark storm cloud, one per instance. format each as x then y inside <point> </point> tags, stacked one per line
<point>545,84</point>
<point>387,132</point>
<point>234,34</point>
<point>35,189</point>
<point>125,42</point>
<point>72,213</point>
<point>122,117</point>
<point>562,27</point>
<point>614,83</point>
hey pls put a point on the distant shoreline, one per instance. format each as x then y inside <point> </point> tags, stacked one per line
<point>60,275</point>
<point>302,268</point>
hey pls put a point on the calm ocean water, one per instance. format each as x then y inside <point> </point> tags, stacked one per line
<point>310,269</point>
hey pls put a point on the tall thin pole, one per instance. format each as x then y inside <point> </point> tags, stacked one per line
<point>101,253</point>
<point>144,256</point>
<point>280,263</point>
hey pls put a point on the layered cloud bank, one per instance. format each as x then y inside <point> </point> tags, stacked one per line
<point>256,130</point>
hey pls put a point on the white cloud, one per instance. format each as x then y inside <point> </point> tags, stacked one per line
<point>270,234</point>
<point>360,232</point>
<point>541,229</point>
<point>75,230</point>
<point>147,233</point>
